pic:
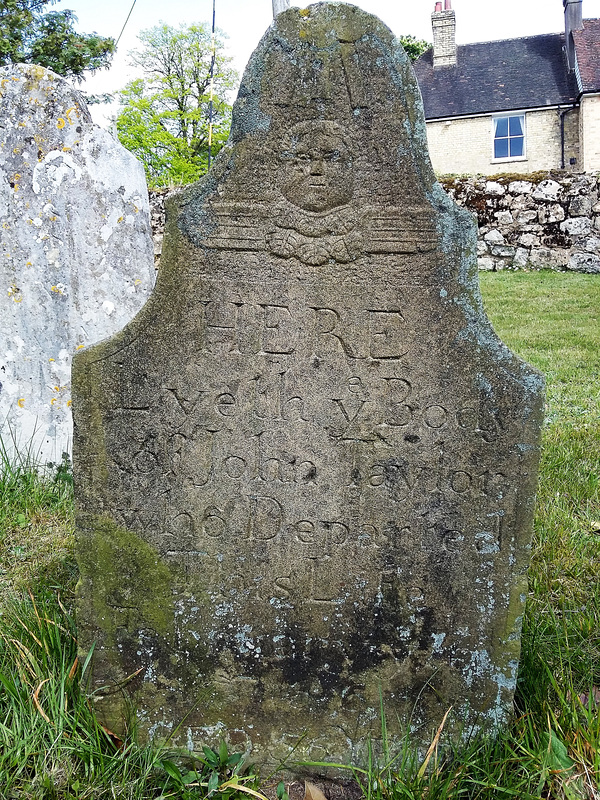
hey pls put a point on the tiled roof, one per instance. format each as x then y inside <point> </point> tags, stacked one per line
<point>498,76</point>
<point>587,49</point>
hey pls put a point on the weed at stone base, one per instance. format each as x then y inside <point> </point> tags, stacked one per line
<point>36,522</point>
<point>217,773</point>
<point>52,745</point>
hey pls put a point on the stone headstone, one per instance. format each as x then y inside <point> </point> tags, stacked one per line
<point>306,471</point>
<point>76,259</point>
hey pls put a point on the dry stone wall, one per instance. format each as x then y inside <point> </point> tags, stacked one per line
<point>547,221</point>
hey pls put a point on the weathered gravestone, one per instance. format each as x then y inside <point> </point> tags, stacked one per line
<point>306,471</point>
<point>76,258</point>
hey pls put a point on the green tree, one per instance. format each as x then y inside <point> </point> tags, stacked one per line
<point>164,116</point>
<point>29,33</point>
<point>413,47</point>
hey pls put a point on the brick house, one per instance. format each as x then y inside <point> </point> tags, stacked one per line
<point>517,105</point>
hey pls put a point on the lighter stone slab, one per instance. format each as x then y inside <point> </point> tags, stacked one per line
<point>306,471</point>
<point>76,259</point>
<point>279,6</point>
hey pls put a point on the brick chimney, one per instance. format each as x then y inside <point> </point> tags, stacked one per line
<point>444,34</point>
<point>573,22</point>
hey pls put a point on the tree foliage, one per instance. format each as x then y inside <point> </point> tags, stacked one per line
<point>164,116</point>
<point>29,33</point>
<point>413,47</point>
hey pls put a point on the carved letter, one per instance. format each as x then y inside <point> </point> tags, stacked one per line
<point>197,456</point>
<point>349,419</point>
<point>266,517</point>
<point>144,461</point>
<point>356,386</point>
<point>235,466</point>
<point>338,532</point>
<point>305,531</point>
<point>460,481</point>
<point>326,321</point>
<point>307,471</point>
<point>225,404</point>
<point>435,416</point>
<point>398,414</point>
<point>386,335</point>
<point>275,340</point>
<point>284,585</point>
<point>213,522</point>
<point>377,476</point>
<point>294,404</point>
<point>222,324</point>
<point>181,526</point>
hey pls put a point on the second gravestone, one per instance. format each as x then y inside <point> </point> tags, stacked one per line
<point>306,471</point>
<point>76,260</point>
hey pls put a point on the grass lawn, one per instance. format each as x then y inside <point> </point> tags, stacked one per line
<point>52,748</point>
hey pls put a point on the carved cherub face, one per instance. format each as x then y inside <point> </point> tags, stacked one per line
<point>317,166</point>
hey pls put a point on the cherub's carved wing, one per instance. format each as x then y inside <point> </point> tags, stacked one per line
<point>238,226</point>
<point>399,230</point>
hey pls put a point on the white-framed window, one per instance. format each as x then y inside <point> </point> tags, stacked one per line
<point>509,137</point>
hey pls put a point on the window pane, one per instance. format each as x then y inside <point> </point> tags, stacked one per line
<point>516,126</point>
<point>501,148</point>
<point>516,146</point>
<point>502,126</point>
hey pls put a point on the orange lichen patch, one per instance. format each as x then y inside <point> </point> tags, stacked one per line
<point>15,293</point>
<point>62,121</point>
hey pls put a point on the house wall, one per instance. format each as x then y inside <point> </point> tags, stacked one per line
<point>464,146</point>
<point>590,132</point>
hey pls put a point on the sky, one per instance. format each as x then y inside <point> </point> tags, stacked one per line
<point>245,21</point>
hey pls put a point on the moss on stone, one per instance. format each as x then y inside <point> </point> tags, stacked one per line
<point>121,572</point>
